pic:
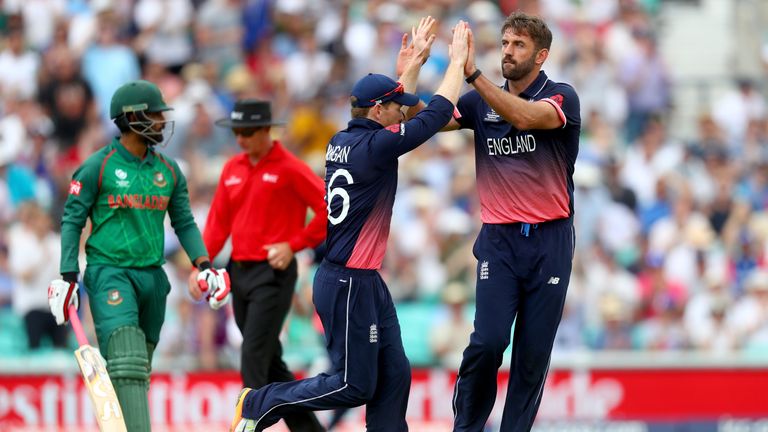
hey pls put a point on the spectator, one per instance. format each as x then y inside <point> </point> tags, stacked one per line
<point>449,334</point>
<point>19,67</point>
<point>33,262</point>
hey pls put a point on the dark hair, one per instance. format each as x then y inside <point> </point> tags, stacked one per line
<point>362,112</point>
<point>531,25</point>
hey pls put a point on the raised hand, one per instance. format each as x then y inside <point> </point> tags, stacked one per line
<point>469,66</point>
<point>418,49</point>
<point>458,50</point>
<point>424,36</point>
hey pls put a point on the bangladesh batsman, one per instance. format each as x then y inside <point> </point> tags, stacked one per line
<point>126,188</point>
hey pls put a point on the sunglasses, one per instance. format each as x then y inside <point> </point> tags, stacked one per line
<point>397,90</point>
<point>247,132</point>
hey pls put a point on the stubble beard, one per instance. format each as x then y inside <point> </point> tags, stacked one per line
<point>517,71</point>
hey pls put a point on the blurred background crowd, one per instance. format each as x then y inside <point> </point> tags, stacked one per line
<point>671,221</point>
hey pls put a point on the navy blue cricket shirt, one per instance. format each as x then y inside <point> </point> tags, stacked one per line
<point>524,175</point>
<point>361,180</point>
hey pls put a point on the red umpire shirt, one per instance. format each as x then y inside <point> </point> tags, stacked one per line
<point>265,203</point>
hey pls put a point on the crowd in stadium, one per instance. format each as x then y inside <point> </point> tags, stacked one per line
<point>671,231</point>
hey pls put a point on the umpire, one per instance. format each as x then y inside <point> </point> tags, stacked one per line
<point>261,201</point>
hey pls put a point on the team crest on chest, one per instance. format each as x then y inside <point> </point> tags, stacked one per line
<point>159,179</point>
<point>114,298</point>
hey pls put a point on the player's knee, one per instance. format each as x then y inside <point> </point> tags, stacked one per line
<point>127,357</point>
<point>534,360</point>
<point>491,343</point>
<point>400,372</point>
<point>360,395</point>
<point>360,392</point>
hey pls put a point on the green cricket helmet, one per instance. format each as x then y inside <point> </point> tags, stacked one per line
<point>136,96</point>
<point>139,98</point>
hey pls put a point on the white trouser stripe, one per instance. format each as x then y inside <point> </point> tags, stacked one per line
<point>455,398</point>
<point>346,360</point>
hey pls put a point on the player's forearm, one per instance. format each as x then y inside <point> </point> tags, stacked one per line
<point>192,242</point>
<point>70,248</point>
<point>200,260</point>
<point>452,82</point>
<point>312,235</point>
<point>410,76</point>
<point>517,111</point>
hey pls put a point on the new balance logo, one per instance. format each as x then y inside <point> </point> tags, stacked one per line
<point>374,335</point>
<point>553,281</point>
<point>484,270</point>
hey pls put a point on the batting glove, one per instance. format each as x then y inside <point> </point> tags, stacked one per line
<point>217,286</point>
<point>61,294</point>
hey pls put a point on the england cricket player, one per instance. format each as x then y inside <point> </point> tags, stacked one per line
<point>362,332</point>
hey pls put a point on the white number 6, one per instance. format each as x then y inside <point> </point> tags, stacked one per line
<point>339,191</point>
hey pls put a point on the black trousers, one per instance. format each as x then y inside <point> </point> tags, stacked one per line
<point>261,299</point>
<point>41,323</point>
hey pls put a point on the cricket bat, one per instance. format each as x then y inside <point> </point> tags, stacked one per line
<point>94,370</point>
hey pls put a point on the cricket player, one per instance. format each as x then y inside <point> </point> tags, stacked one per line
<point>526,142</point>
<point>126,189</point>
<point>362,332</point>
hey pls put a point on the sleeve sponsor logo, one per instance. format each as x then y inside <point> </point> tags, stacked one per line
<point>232,180</point>
<point>75,187</point>
<point>558,99</point>
<point>396,128</point>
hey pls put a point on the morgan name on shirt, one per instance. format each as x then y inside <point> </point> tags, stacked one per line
<point>339,154</point>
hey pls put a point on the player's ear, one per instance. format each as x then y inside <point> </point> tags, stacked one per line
<point>375,112</point>
<point>541,56</point>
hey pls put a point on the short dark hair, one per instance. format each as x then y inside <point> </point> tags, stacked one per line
<point>358,112</point>
<point>533,26</point>
<point>362,112</point>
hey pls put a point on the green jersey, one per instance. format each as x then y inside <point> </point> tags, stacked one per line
<point>126,198</point>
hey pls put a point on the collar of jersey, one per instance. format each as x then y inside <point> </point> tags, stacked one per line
<point>534,89</point>
<point>125,154</point>
<point>274,153</point>
<point>364,123</point>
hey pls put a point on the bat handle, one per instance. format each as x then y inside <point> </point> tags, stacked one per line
<point>77,326</point>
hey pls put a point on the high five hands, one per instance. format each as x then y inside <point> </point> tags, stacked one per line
<point>422,38</point>
<point>418,50</point>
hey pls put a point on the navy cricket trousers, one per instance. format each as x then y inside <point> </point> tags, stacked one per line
<point>522,276</point>
<point>368,363</point>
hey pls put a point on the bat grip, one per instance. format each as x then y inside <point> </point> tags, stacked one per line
<point>77,326</point>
